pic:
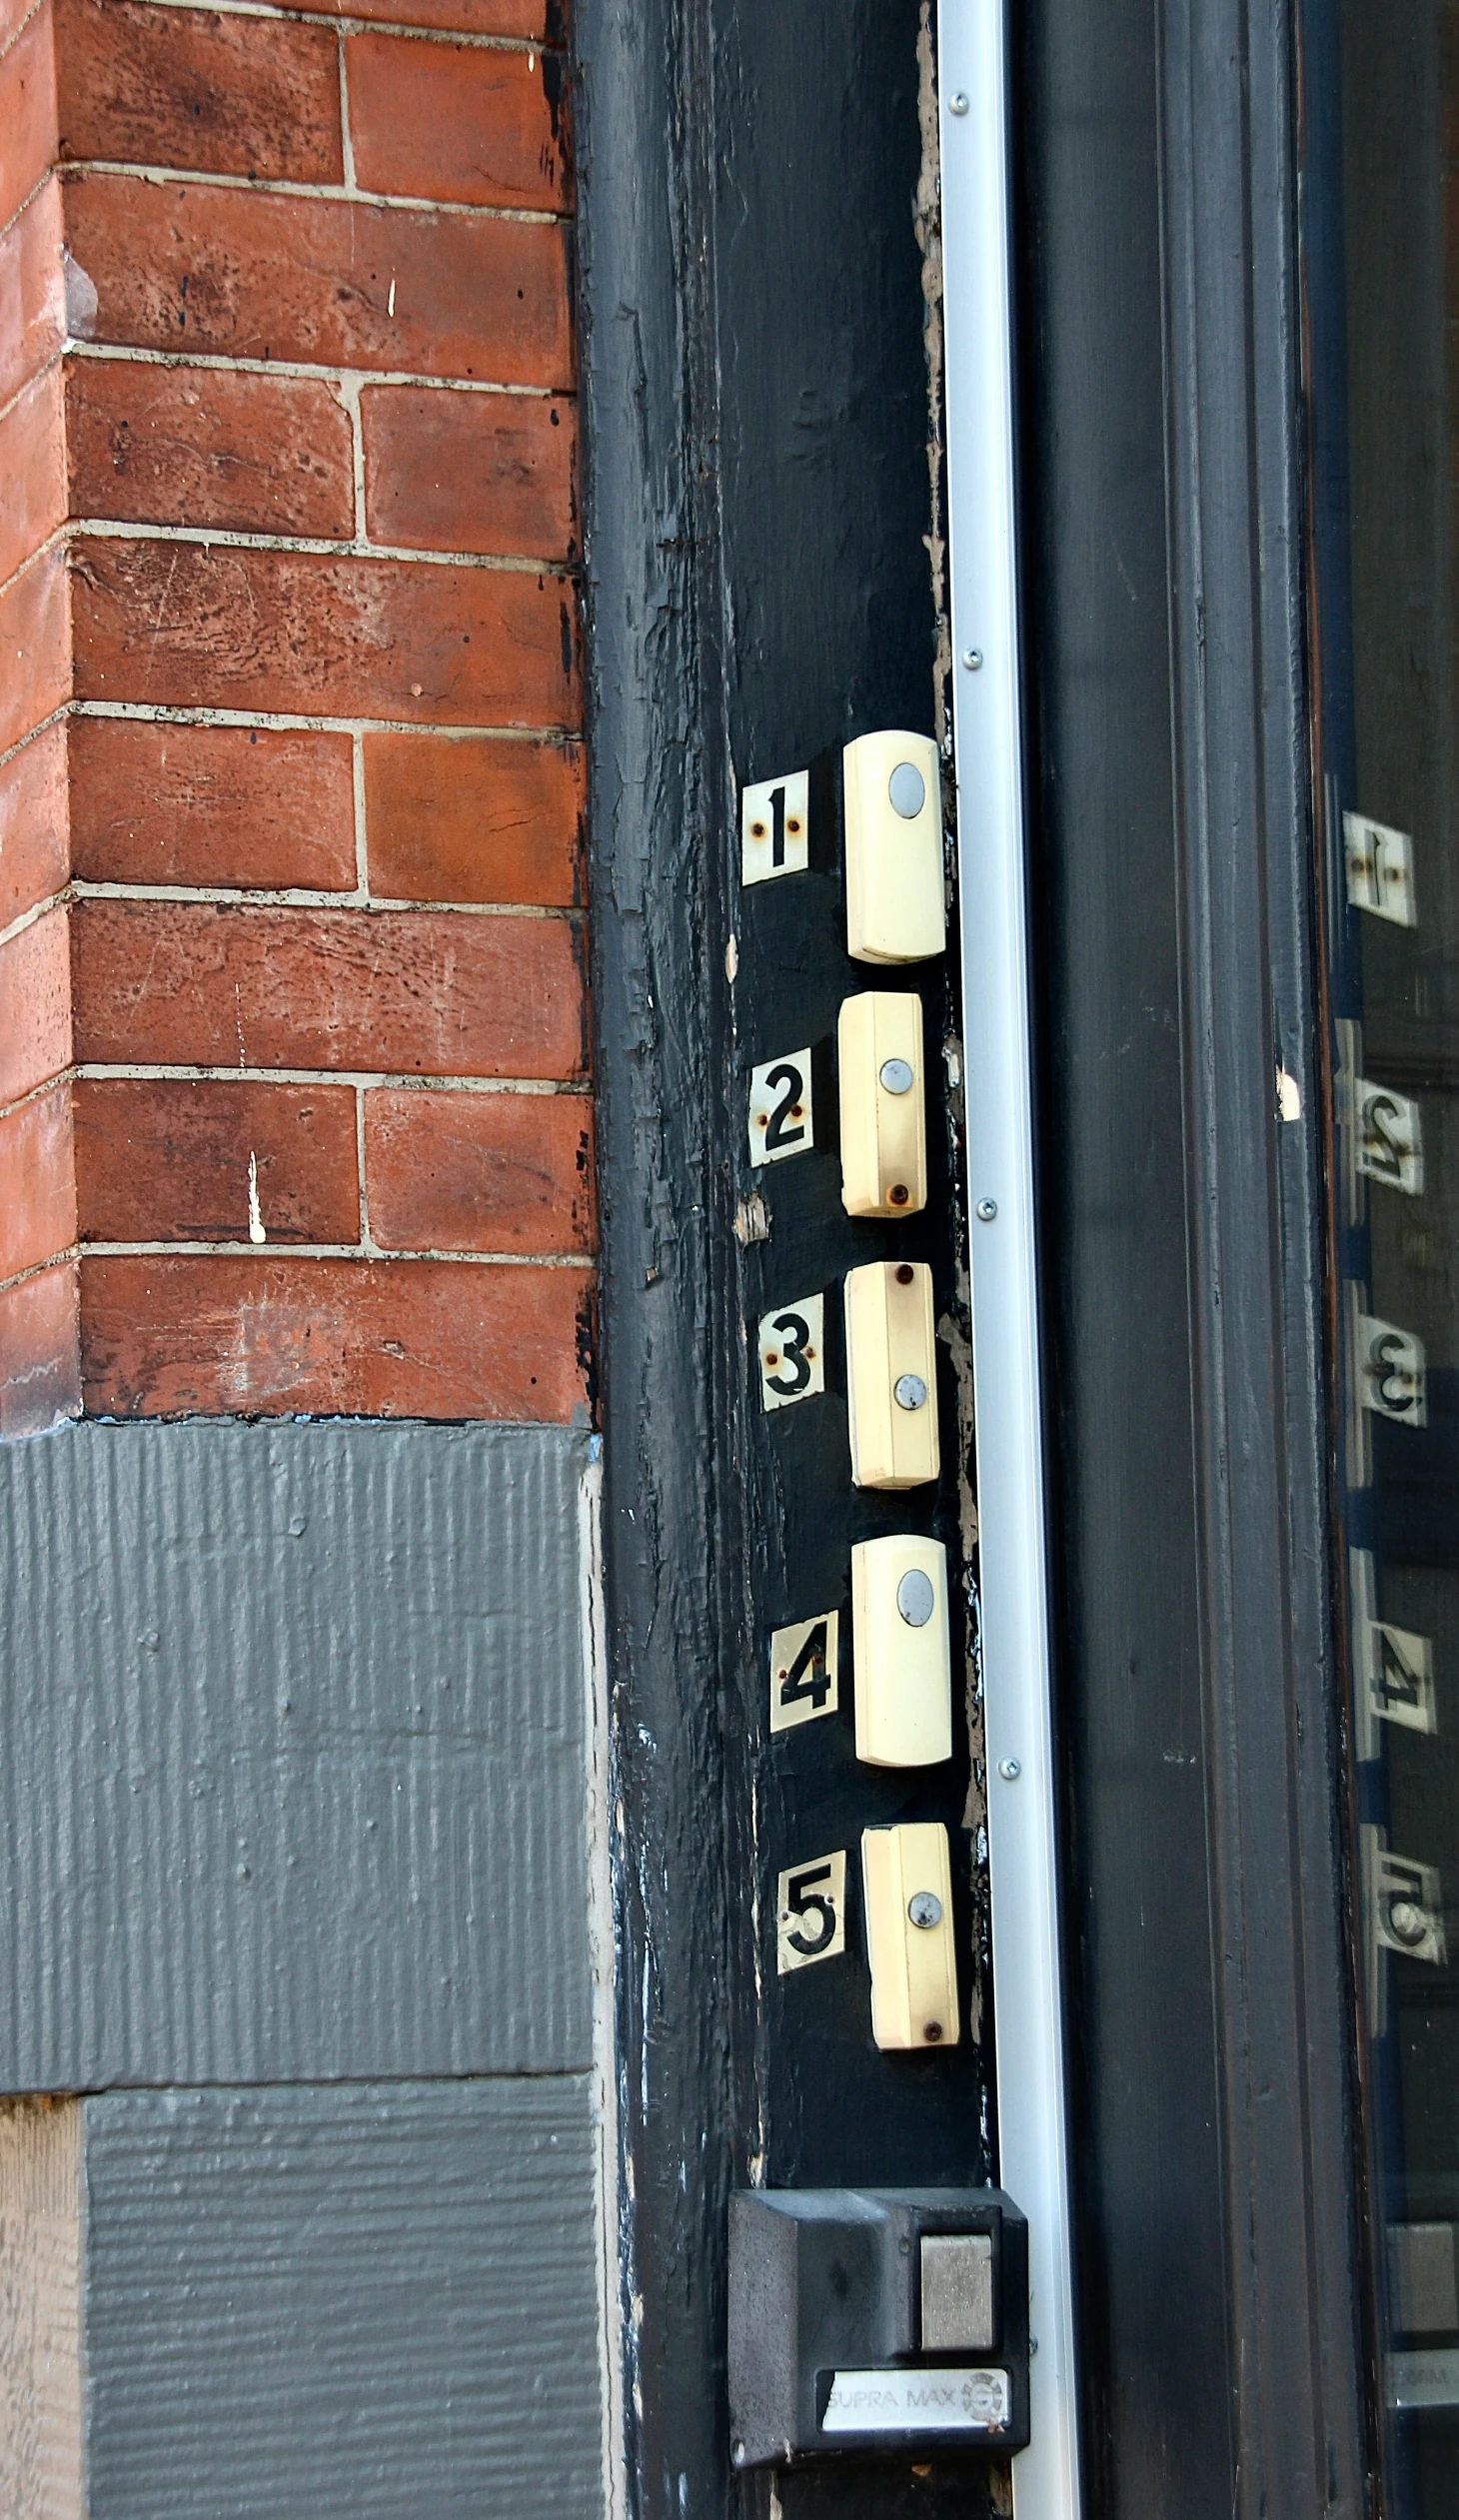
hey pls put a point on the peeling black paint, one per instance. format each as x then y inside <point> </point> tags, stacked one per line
<point>759,589</point>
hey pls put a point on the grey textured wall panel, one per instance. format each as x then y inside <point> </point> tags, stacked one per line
<point>343,2304</point>
<point>295,1726</point>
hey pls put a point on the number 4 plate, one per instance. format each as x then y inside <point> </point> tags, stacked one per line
<point>804,1670</point>
<point>810,1912</point>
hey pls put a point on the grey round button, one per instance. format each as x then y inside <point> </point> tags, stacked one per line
<point>897,1075</point>
<point>907,790</point>
<point>926,1909</point>
<point>916,1598</point>
<point>909,1391</point>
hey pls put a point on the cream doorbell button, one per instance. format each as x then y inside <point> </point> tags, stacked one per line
<point>906,1882</point>
<point>884,1118</point>
<point>896,905</point>
<point>891,1387</point>
<point>903,1658</point>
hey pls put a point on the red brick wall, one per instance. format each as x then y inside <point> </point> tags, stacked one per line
<point>292,1045</point>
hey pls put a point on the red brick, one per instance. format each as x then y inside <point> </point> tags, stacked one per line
<point>35,1004</point>
<point>198,446</point>
<point>185,87</point>
<point>452,472</point>
<point>32,469</point>
<point>529,18</point>
<point>473,818</point>
<point>451,122</point>
<point>161,1159</point>
<point>243,274</point>
<point>331,1338</point>
<point>33,290</point>
<point>246,805</point>
<point>186,624</point>
<point>35,647</point>
<point>40,1363</point>
<point>28,111</point>
<point>37,1182</point>
<point>35,854</point>
<point>478,1172</point>
<point>404,991</point>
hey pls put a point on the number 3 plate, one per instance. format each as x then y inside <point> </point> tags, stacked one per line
<point>810,1912</point>
<point>792,1351</point>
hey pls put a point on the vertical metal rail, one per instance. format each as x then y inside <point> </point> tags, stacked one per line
<point>986,734</point>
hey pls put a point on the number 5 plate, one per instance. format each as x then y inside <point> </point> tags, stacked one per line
<point>810,1912</point>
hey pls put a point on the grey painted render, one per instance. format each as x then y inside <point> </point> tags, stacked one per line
<point>327,2302</point>
<point>296,1752</point>
<point>343,2304</point>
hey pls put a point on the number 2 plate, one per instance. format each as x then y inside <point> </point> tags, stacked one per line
<point>804,1670</point>
<point>810,1912</point>
<point>781,1121</point>
<point>792,1351</point>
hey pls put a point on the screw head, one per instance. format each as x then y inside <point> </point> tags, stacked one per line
<point>909,1391</point>
<point>926,1910</point>
<point>972,659</point>
<point>957,104</point>
<point>986,1210</point>
<point>1008,1769</point>
<point>1408,1921</point>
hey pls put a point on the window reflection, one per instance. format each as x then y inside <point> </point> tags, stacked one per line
<point>1381,263</point>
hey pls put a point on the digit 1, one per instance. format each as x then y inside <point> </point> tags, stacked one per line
<point>777,828</point>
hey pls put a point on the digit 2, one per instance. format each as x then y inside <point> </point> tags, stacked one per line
<point>778,1137</point>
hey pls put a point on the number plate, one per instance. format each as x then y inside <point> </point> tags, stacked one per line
<point>804,1670</point>
<point>793,1352</point>
<point>1408,1909</point>
<point>1379,867</point>
<point>1390,1137</point>
<point>1391,1372</point>
<point>774,827</point>
<point>782,1123</point>
<point>810,1912</point>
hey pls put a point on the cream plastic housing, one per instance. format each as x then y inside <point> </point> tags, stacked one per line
<point>891,1377</point>
<point>883,1104</point>
<point>907,1872</point>
<point>896,908</point>
<point>902,1660</point>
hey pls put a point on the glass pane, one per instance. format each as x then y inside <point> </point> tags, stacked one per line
<point>1381,95</point>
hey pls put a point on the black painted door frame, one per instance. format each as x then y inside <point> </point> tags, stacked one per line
<point>1207,1988</point>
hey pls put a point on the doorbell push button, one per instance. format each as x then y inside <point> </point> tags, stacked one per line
<point>882,1112</point>
<point>895,904</point>
<point>891,1373</point>
<point>901,1642</point>
<point>913,1967</point>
